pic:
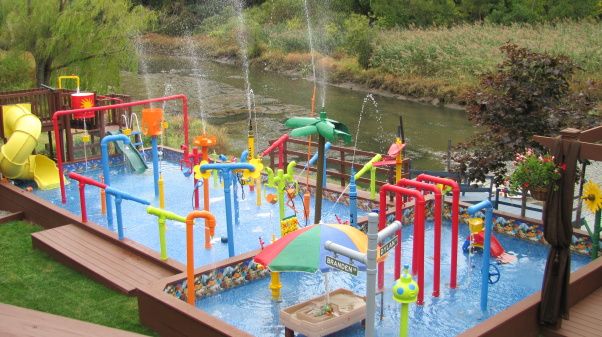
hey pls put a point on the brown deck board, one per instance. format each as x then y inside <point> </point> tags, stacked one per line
<point>98,257</point>
<point>21,322</point>
<point>104,247</point>
<point>83,253</point>
<point>82,242</point>
<point>584,319</point>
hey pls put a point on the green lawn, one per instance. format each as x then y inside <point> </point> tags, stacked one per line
<point>31,279</point>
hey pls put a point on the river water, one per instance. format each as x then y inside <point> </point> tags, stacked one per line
<point>221,96</point>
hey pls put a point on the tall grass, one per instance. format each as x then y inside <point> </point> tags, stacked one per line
<point>462,53</point>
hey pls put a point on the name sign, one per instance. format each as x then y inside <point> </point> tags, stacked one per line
<point>384,249</point>
<point>340,265</point>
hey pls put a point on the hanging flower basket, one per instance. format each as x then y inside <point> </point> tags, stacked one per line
<point>539,193</point>
<point>536,173</point>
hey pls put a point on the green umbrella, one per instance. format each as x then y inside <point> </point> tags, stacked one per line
<point>326,129</point>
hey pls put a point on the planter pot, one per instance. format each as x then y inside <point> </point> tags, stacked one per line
<point>539,193</point>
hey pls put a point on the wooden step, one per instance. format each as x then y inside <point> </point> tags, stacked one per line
<point>21,322</point>
<point>99,258</point>
<point>11,217</point>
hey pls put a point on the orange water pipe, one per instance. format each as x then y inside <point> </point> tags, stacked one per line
<point>209,226</point>
<point>103,201</point>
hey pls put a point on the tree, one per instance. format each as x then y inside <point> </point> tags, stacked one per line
<point>528,95</point>
<point>91,38</point>
<point>421,13</point>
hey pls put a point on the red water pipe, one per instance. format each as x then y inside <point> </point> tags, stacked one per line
<point>82,182</point>
<point>437,249</point>
<point>418,253</point>
<point>278,143</point>
<point>455,219</point>
<point>105,108</point>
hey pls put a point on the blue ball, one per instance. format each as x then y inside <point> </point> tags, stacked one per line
<point>400,291</point>
<point>412,287</point>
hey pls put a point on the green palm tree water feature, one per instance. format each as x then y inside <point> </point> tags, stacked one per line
<point>326,129</point>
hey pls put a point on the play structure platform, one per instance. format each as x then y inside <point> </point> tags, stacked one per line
<point>310,319</point>
<point>99,258</point>
<point>21,322</point>
<point>584,318</point>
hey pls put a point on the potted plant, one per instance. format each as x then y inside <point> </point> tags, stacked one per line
<point>534,172</point>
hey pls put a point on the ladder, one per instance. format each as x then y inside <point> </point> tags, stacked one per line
<point>135,135</point>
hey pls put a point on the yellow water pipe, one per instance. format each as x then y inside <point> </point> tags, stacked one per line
<point>161,192</point>
<point>258,191</point>
<point>68,77</point>
<point>398,162</point>
<point>275,285</point>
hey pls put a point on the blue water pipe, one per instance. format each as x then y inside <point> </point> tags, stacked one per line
<point>104,162</point>
<point>235,199</point>
<point>486,205</point>
<point>155,164</point>
<point>243,156</point>
<point>352,200</point>
<point>243,159</point>
<point>119,197</point>
<point>226,171</point>
<point>314,159</point>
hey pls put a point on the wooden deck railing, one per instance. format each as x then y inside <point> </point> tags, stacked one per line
<point>45,102</point>
<point>338,162</point>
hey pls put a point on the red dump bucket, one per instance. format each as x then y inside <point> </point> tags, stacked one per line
<point>83,100</point>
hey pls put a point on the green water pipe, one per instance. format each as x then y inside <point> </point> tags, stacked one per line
<point>279,182</point>
<point>164,215</point>
<point>370,167</point>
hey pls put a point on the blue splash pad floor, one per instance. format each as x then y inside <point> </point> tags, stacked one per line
<point>450,314</point>
<point>255,221</point>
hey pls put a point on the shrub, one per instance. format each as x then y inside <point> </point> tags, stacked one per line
<point>420,13</point>
<point>358,38</point>
<point>528,95</point>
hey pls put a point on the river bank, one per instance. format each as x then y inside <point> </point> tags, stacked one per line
<point>435,66</point>
<point>292,66</point>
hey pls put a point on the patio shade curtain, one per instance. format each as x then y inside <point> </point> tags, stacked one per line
<point>558,232</point>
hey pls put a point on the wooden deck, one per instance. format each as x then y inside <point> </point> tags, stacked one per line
<point>99,258</point>
<point>11,217</point>
<point>21,322</point>
<point>584,319</point>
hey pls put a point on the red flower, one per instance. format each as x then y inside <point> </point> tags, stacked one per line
<point>563,166</point>
<point>525,185</point>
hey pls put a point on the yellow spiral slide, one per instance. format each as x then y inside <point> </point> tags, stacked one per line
<point>22,129</point>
